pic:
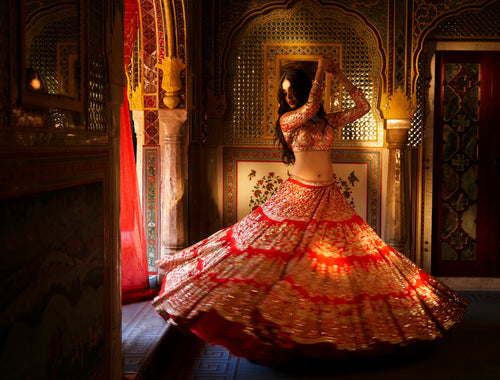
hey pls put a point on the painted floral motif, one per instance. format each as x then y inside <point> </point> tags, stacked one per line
<point>267,185</point>
<point>345,187</point>
<point>264,188</point>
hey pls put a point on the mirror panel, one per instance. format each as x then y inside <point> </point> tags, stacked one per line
<point>52,53</point>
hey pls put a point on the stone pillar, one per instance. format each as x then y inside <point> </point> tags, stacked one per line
<point>174,177</point>
<point>396,228</point>
<point>398,110</point>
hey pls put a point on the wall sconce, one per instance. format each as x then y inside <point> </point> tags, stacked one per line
<point>35,81</point>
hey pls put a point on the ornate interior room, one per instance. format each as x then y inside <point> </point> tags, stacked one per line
<point>163,112</point>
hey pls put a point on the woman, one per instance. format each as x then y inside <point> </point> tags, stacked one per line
<point>303,274</point>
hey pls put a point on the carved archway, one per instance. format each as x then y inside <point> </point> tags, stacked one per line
<point>156,83</point>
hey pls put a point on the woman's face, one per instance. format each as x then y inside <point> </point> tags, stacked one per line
<point>288,92</point>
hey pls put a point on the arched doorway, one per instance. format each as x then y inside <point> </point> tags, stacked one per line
<point>156,84</point>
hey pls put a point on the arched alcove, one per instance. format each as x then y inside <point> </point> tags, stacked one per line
<point>157,96</point>
<point>300,33</point>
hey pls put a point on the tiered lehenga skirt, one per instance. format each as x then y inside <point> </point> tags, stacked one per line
<point>303,275</point>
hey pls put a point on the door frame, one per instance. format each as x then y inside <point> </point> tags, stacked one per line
<point>429,76</point>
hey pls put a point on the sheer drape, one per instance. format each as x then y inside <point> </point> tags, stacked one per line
<point>135,279</point>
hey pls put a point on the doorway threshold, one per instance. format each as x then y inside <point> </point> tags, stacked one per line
<point>472,283</point>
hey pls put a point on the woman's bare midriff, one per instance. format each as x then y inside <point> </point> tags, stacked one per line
<point>313,165</point>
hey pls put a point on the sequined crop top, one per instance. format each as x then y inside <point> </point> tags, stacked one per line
<point>302,134</point>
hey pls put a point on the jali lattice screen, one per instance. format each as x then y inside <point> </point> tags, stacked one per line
<point>249,117</point>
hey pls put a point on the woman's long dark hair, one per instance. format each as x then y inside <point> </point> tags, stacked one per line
<point>300,86</point>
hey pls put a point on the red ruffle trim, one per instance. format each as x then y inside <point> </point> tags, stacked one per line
<point>137,295</point>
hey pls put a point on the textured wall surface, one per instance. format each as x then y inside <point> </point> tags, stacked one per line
<point>58,314</point>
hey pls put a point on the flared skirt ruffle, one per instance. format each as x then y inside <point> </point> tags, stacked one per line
<point>303,274</point>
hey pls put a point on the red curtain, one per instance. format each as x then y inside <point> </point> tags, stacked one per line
<point>135,279</point>
<point>130,27</point>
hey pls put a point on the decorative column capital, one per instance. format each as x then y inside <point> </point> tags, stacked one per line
<point>171,83</point>
<point>398,105</point>
<point>398,109</point>
<point>397,132</point>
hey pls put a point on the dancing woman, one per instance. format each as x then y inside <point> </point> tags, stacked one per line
<point>303,274</point>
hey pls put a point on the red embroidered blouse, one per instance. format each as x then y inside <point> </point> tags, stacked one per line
<point>302,134</point>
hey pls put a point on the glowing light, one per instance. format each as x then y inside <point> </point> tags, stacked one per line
<point>35,83</point>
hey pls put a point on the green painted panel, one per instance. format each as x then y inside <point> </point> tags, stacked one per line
<point>451,70</point>
<point>451,182</point>
<point>470,103</point>
<point>451,103</point>
<point>451,142</point>
<point>469,142</point>
<point>469,182</point>
<point>469,221</point>
<point>459,166</point>
<point>449,220</point>
<point>447,253</point>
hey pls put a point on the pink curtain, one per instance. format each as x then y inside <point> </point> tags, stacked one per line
<point>135,279</point>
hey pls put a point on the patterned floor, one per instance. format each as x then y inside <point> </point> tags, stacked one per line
<point>142,333</point>
<point>470,351</point>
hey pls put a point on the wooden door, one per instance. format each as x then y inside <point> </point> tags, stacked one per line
<point>466,164</point>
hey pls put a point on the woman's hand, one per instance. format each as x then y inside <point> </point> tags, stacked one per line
<point>333,70</point>
<point>323,63</point>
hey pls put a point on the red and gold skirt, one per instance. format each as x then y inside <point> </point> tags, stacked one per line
<point>303,275</point>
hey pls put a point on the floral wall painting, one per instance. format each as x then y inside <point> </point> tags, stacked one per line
<point>268,184</point>
<point>257,181</point>
<point>251,175</point>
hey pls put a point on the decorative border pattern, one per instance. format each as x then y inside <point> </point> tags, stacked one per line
<point>151,127</point>
<point>426,15</point>
<point>151,200</point>
<point>150,102</point>
<point>372,157</point>
<point>149,43</point>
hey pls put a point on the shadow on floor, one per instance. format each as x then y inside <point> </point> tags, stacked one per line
<point>469,351</point>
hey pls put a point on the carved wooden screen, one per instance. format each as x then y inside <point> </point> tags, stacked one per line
<point>466,188</point>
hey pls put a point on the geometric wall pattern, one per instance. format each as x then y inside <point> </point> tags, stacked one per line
<point>247,94</point>
<point>471,25</point>
<point>267,157</point>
